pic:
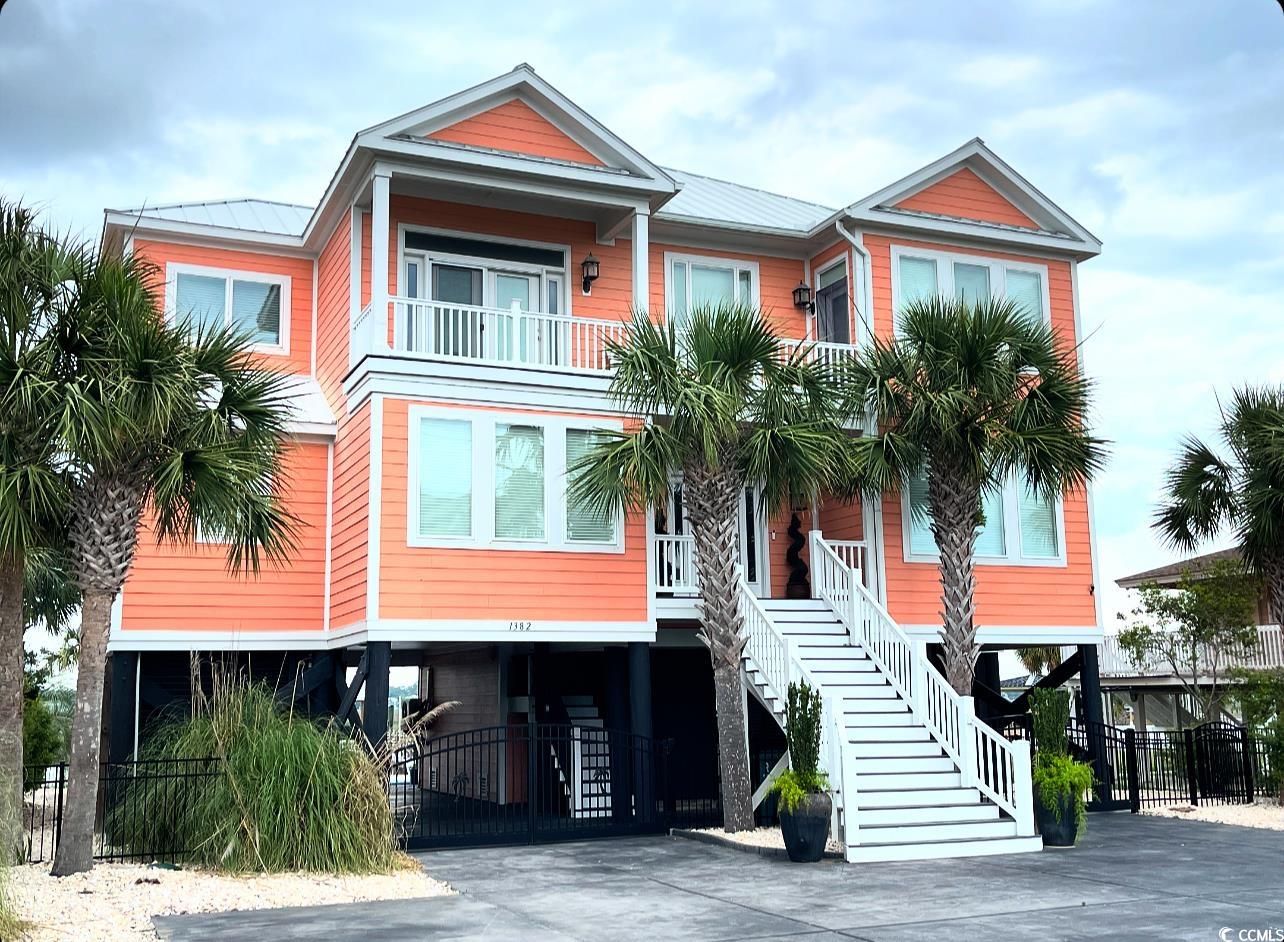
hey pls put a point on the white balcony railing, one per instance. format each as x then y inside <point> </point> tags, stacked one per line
<point>675,570</point>
<point>1114,661</point>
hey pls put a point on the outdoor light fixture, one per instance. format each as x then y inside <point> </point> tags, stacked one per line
<point>802,298</point>
<point>589,269</point>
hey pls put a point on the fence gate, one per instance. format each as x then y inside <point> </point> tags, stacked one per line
<point>545,782</point>
<point>1223,764</point>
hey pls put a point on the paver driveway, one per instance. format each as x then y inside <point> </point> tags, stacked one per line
<point>1132,878</point>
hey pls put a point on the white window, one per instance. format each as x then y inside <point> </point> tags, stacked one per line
<point>918,274</point>
<point>1019,528</point>
<point>490,480</point>
<point>693,280</point>
<point>255,303</point>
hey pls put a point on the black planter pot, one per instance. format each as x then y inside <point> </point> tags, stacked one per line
<point>806,828</point>
<point>1059,828</point>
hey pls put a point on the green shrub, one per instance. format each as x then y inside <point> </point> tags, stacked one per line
<point>44,741</point>
<point>286,793</point>
<point>1056,776</point>
<point>802,730</point>
<point>1050,712</point>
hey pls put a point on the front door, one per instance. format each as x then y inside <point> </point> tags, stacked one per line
<point>750,531</point>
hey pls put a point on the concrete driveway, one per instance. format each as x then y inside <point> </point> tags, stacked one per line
<point>1132,878</point>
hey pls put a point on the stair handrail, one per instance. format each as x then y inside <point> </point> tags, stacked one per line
<point>997,767</point>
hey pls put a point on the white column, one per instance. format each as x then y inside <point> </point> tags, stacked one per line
<point>379,264</point>
<point>641,259</point>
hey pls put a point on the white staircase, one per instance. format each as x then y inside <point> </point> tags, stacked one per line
<point>914,774</point>
<point>588,786</point>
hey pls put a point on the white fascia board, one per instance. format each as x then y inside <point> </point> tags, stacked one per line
<point>170,230</point>
<point>1017,635</point>
<point>962,233</point>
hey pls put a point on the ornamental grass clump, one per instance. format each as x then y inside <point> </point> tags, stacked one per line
<point>281,791</point>
<point>802,730</point>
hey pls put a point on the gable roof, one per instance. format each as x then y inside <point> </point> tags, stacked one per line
<point>1171,574</point>
<point>1053,227</point>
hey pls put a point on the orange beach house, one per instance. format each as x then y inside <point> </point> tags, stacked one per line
<point>445,308</point>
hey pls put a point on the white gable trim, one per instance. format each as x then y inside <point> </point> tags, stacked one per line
<point>523,84</point>
<point>1057,228</point>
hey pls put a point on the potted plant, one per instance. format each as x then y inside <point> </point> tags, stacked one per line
<point>802,789</point>
<point>1060,780</point>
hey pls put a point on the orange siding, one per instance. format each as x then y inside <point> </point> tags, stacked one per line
<point>475,584</point>
<point>350,520</point>
<point>964,195</point>
<point>298,270</point>
<point>333,300</point>
<point>777,278</point>
<point>517,128</point>
<point>841,521</point>
<point>186,588</point>
<point>778,545</point>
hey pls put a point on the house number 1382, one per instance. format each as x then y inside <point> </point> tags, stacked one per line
<point>519,626</point>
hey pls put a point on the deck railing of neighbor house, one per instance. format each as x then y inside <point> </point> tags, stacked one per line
<point>999,768</point>
<point>1114,661</point>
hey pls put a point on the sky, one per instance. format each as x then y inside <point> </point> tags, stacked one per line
<point>1158,124</point>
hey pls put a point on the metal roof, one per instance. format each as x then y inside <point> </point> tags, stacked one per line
<point>708,198</point>
<point>246,215</point>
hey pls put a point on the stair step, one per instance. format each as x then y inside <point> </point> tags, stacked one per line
<point>919,797</point>
<point>863,720</point>
<point>856,701</point>
<point>856,689</point>
<point>865,749</point>
<point>937,831</point>
<point>904,764</point>
<point>795,605</point>
<point>838,671</point>
<point>894,781</point>
<point>925,814</point>
<point>867,733</point>
<point>879,853</point>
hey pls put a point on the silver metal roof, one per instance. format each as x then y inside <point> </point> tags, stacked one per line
<point>707,198</point>
<point>246,215</point>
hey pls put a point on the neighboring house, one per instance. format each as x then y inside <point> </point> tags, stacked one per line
<point>438,309</point>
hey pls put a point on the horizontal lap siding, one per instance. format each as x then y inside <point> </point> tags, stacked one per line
<point>482,584</point>
<point>351,520</point>
<point>334,278</point>
<point>964,195</point>
<point>517,128</point>
<point>188,588</point>
<point>778,541</point>
<point>841,521</point>
<point>298,270</point>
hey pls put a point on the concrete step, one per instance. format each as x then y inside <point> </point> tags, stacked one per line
<point>886,750</point>
<point>925,814</point>
<point>919,797</point>
<point>881,853</point>
<point>909,781</point>
<point>905,764</point>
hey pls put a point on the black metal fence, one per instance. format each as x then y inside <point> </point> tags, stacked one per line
<point>546,782</point>
<point>130,795</point>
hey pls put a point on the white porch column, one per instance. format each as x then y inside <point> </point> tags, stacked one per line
<point>641,259</point>
<point>379,263</point>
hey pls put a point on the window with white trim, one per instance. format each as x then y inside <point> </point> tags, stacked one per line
<point>490,480</point>
<point>1019,528</point>
<point>694,280</point>
<point>920,273</point>
<point>255,303</point>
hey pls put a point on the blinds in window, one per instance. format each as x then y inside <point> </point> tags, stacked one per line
<point>519,482</point>
<point>445,477</point>
<point>256,308</point>
<point>1026,289</point>
<point>1038,516</point>
<point>990,538</point>
<point>583,523</point>
<point>917,280</point>
<point>201,298</point>
<point>971,282</point>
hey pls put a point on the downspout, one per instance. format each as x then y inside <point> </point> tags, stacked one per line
<point>874,538</point>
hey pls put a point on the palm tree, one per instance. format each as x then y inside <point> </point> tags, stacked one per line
<point>159,418</point>
<point>724,405</point>
<point>1242,489</point>
<point>968,394</point>
<point>34,264</point>
<point>1039,661</point>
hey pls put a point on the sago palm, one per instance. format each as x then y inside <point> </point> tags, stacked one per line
<point>34,265</point>
<point>154,418</point>
<point>1240,489</point>
<point>969,394</point>
<point>723,405</point>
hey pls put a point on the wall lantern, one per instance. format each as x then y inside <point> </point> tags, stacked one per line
<point>802,298</point>
<point>589,269</point>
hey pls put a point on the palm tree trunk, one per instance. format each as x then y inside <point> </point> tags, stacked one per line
<point>955,502</point>
<point>713,506</point>
<point>1273,572</point>
<point>75,852</point>
<point>12,690</point>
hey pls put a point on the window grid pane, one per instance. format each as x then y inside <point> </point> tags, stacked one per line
<point>991,539</point>
<point>445,477</point>
<point>917,280</point>
<point>1026,289</point>
<point>971,282</point>
<point>1038,516</point>
<point>256,310</point>
<point>519,482</point>
<point>583,523</point>
<point>746,287</point>
<point>712,285</point>
<point>202,298</point>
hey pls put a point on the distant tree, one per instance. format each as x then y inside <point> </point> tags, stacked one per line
<point>1196,629</point>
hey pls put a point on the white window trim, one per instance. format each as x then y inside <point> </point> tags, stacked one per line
<point>1011,534</point>
<point>852,331</point>
<point>483,535</point>
<point>488,265</point>
<point>945,274</point>
<point>707,261</point>
<point>174,269</point>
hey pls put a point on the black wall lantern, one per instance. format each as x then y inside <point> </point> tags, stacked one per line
<point>589,268</point>
<point>802,298</point>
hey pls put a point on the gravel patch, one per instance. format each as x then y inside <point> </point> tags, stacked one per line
<point>117,901</point>
<point>1261,814</point>
<point>767,837</point>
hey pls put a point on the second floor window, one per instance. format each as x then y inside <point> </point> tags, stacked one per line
<point>1020,527</point>
<point>695,280</point>
<point>921,274</point>
<point>251,303</point>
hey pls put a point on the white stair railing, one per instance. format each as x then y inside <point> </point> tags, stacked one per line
<point>998,768</point>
